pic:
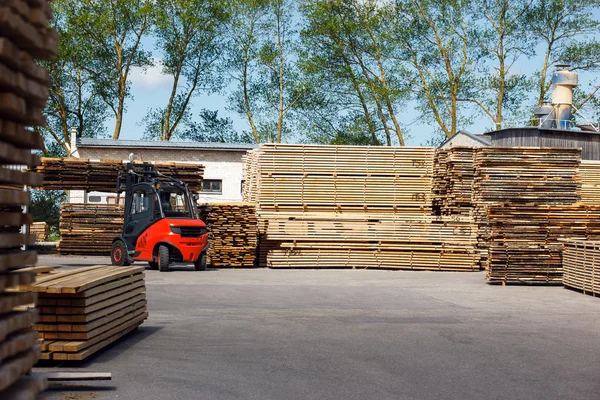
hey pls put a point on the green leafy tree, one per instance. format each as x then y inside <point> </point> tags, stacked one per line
<point>111,33</point>
<point>189,34</point>
<point>212,128</point>
<point>568,31</point>
<point>352,60</point>
<point>74,101</point>
<point>435,39</point>
<point>45,206</point>
<point>502,36</point>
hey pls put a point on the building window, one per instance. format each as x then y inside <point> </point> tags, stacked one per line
<point>95,199</point>
<point>212,186</point>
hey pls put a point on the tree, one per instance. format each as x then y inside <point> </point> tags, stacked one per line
<point>189,34</point>
<point>45,206</point>
<point>213,128</point>
<point>503,37</point>
<point>568,32</point>
<point>73,101</point>
<point>352,59</point>
<point>263,61</point>
<point>112,32</point>
<point>434,37</point>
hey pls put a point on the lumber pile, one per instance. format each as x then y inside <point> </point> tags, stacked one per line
<point>233,234</point>
<point>589,172</point>
<point>24,38</point>
<point>454,173</point>
<point>89,228</point>
<point>84,310</point>
<point>39,230</point>
<point>101,176</point>
<point>525,243</point>
<point>354,206</point>
<point>249,177</point>
<point>522,176</point>
<point>581,269</point>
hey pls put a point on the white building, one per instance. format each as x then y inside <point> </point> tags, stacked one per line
<point>222,164</point>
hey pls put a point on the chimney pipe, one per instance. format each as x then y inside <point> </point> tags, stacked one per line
<point>563,83</point>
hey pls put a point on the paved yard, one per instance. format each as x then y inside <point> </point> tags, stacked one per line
<point>348,334</point>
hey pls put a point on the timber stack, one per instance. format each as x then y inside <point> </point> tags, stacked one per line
<point>24,85</point>
<point>249,177</point>
<point>84,310</point>
<point>89,229</point>
<point>525,243</point>
<point>440,182</point>
<point>39,230</point>
<point>522,176</point>
<point>589,172</point>
<point>581,265</point>
<point>101,176</point>
<point>233,234</point>
<point>355,206</point>
<point>454,173</point>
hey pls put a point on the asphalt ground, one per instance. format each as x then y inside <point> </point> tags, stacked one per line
<point>347,334</point>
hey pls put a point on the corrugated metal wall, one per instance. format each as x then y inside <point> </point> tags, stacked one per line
<point>533,137</point>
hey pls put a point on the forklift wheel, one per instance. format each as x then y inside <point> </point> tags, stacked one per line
<point>200,263</point>
<point>153,264</point>
<point>163,258</point>
<point>118,254</point>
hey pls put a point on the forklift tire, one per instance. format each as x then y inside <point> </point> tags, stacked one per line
<point>163,258</point>
<point>118,254</point>
<point>200,263</point>
<point>153,264</point>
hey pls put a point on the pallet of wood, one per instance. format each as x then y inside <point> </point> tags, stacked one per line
<point>525,241</point>
<point>589,173</point>
<point>233,234</point>
<point>101,175</point>
<point>39,230</point>
<point>522,176</point>
<point>24,38</point>
<point>581,265</point>
<point>84,310</point>
<point>89,229</point>
<point>354,206</point>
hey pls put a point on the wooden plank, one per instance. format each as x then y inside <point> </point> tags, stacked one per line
<point>69,376</point>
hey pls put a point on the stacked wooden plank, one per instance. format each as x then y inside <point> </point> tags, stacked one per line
<point>24,37</point>
<point>39,230</point>
<point>250,177</point>
<point>460,175</point>
<point>355,206</point>
<point>589,172</point>
<point>89,228</point>
<point>101,176</point>
<point>581,265</point>
<point>440,182</point>
<point>233,234</point>
<point>84,310</point>
<point>525,243</point>
<point>522,175</point>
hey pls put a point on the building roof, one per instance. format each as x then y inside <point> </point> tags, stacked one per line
<point>150,144</point>
<point>472,136</point>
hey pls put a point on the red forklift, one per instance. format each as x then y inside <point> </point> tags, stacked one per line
<point>161,223</point>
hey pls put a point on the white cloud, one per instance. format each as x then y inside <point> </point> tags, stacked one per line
<point>151,78</point>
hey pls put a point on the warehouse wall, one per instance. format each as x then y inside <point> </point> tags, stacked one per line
<point>218,164</point>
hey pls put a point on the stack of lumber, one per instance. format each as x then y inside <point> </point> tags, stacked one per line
<point>355,206</point>
<point>39,230</point>
<point>24,85</point>
<point>101,176</point>
<point>440,182</point>
<point>84,310</point>
<point>460,174</point>
<point>250,177</point>
<point>525,243</point>
<point>89,228</point>
<point>522,175</point>
<point>233,234</point>
<point>589,172</point>
<point>581,265</point>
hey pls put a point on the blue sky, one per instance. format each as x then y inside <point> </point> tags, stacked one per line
<point>151,89</point>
